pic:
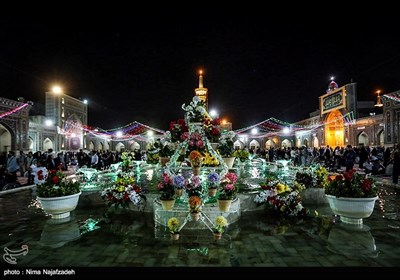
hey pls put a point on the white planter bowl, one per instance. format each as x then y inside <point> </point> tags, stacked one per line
<point>59,207</point>
<point>352,210</point>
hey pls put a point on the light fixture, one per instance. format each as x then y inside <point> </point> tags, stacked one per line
<point>56,89</point>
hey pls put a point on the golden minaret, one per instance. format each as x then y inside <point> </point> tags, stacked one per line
<point>201,91</point>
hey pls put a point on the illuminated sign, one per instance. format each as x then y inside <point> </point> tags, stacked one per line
<point>333,100</point>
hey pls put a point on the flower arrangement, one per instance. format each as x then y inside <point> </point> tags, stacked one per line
<point>351,184</point>
<point>227,185</point>
<point>55,184</point>
<point>127,160</point>
<point>313,177</point>
<point>193,186</point>
<point>210,160</point>
<point>241,154</point>
<point>196,110</point>
<point>173,225</point>
<point>178,181</point>
<point>123,192</point>
<point>225,146</point>
<point>212,129</point>
<point>196,158</point>
<point>220,224</point>
<point>321,175</point>
<point>195,204</point>
<point>152,156</point>
<point>195,141</point>
<point>164,147</point>
<point>177,128</point>
<point>166,187</point>
<point>281,198</point>
<point>213,180</point>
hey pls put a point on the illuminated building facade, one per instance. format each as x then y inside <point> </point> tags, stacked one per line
<point>14,126</point>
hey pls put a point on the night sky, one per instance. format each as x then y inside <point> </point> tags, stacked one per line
<point>145,68</point>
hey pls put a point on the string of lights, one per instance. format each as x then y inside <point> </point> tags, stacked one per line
<point>5,114</point>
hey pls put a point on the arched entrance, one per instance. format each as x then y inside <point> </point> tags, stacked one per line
<point>334,129</point>
<point>47,144</point>
<point>286,143</point>
<point>315,142</point>
<point>30,143</point>
<point>381,138</point>
<point>106,146</point>
<point>305,142</point>
<point>269,144</point>
<point>363,139</point>
<point>100,146</point>
<point>91,146</point>
<point>254,144</point>
<point>5,139</point>
<point>120,147</point>
<point>238,145</point>
<point>134,146</point>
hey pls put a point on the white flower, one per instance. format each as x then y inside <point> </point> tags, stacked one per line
<point>135,198</point>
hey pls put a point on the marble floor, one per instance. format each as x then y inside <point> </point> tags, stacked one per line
<point>95,237</point>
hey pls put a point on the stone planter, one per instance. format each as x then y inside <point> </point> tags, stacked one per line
<point>167,204</point>
<point>229,161</point>
<point>59,207</point>
<point>352,210</point>
<point>196,170</point>
<point>175,236</point>
<point>195,216</point>
<point>224,204</point>
<point>217,235</point>
<point>212,192</point>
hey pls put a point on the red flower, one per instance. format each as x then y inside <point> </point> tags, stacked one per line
<point>366,185</point>
<point>55,179</point>
<point>40,175</point>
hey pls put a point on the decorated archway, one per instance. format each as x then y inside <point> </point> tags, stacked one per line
<point>315,142</point>
<point>381,137</point>
<point>5,139</point>
<point>238,144</point>
<point>334,129</point>
<point>286,143</point>
<point>269,144</point>
<point>120,147</point>
<point>254,144</point>
<point>106,146</point>
<point>134,146</point>
<point>100,146</point>
<point>47,144</point>
<point>91,146</point>
<point>363,139</point>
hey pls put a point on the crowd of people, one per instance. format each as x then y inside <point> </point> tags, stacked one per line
<point>376,160</point>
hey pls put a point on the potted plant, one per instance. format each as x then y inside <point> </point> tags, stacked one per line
<point>173,226</point>
<point>226,148</point>
<point>196,159</point>
<point>213,183</point>
<point>280,198</point>
<point>227,192</point>
<point>311,183</point>
<point>193,186</point>
<point>220,224</point>
<point>195,204</point>
<point>351,196</point>
<point>167,191</point>
<point>57,195</point>
<point>179,183</point>
<point>123,193</point>
<point>242,154</point>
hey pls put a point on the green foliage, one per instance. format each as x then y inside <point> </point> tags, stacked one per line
<point>56,185</point>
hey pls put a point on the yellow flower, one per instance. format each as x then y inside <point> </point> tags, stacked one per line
<point>173,225</point>
<point>280,188</point>
<point>221,221</point>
